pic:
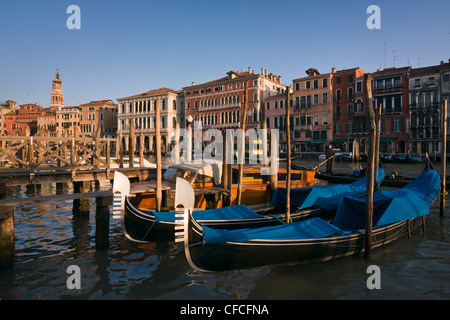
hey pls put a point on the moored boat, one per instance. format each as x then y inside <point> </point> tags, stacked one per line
<point>142,225</point>
<point>396,214</point>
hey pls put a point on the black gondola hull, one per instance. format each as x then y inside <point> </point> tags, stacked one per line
<point>249,254</point>
<point>142,226</point>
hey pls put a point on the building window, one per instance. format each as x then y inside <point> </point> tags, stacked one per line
<point>308,85</point>
<point>325,97</point>
<point>325,119</point>
<point>338,128</point>
<point>297,86</point>
<point>316,99</point>
<point>431,81</point>
<point>359,106</point>
<point>350,78</point>
<point>338,95</point>
<point>308,101</point>
<point>316,84</point>
<point>338,112</point>
<point>417,82</point>
<point>338,80</point>
<point>359,86</point>
<point>349,128</point>
<point>446,78</point>
<point>325,83</point>
<point>268,105</point>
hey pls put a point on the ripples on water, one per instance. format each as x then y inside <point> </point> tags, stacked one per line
<point>49,238</point>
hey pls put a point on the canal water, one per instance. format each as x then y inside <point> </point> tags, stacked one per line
<point>49,239</point>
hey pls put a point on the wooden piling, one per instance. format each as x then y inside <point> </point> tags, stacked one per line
<point>7,247</point>
<point>370,165</point>
<point>242,151</point>
<point>141,149</point>
<point>226,183</point>
<point>377,144</point>
<point>132,143</point>
<point>102,222</point>
<point>288,149</point>
<point>158,156</point>
<point>81,206</point>
<point>273,180</point>
<point>443,159</point>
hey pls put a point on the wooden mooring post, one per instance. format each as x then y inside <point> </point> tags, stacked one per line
<point>242,145</point>
<point>7,249</point>
<point>288,149</point>
<point>370,165</point>
<point>443,160</point>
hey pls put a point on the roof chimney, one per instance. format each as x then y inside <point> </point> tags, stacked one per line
<point>333,70</point>
<point>193,83</point>
<point>249,70</point>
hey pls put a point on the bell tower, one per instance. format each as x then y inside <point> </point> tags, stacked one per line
<point>57,96</point>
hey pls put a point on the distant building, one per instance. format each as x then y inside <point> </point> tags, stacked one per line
<point>57,95</point>
<point>98,115</point>
<point>46,122</point>
<point>6,107</point>
<point>313,105</point>
<point>27,117</point>
<point>350,122</point>
<point>139,111</point>
<point>219,103</point>
<point>428,88</point>
<point>390,91</point>
<point>275,113</point>
<point>67,121</point>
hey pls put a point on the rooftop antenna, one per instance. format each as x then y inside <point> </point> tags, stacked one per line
<point>385,46</point>
<point>394,57</point>
<point>418,61</point>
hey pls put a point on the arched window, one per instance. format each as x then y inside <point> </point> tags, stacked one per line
<point>174,105</point>
<point>338,95</point>
<point>350,93</point>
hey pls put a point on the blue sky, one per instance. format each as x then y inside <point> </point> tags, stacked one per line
<point>129,47</point>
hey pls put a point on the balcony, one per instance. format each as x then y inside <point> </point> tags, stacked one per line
<point>306,127</point>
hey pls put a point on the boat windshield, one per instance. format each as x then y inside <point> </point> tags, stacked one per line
<point>172,174</point>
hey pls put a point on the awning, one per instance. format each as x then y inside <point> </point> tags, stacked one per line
<point>390,139</point>
<point>318,141</point>
<point>302,142</point>
<point>338,141</point>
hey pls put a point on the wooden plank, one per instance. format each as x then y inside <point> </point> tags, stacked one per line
<point>59,197</point>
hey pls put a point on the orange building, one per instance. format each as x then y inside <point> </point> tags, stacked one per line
<point>313,105</point>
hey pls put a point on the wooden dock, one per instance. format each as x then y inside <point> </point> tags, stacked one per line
<point>81,201</point>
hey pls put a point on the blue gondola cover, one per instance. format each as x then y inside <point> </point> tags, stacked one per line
<point>390,206</point>
<point>306,229</point>
<point>327,197</point>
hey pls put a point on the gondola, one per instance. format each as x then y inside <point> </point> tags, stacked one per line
<point>396,214</point>
<point>415,160</point>
<point>141,225</point>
